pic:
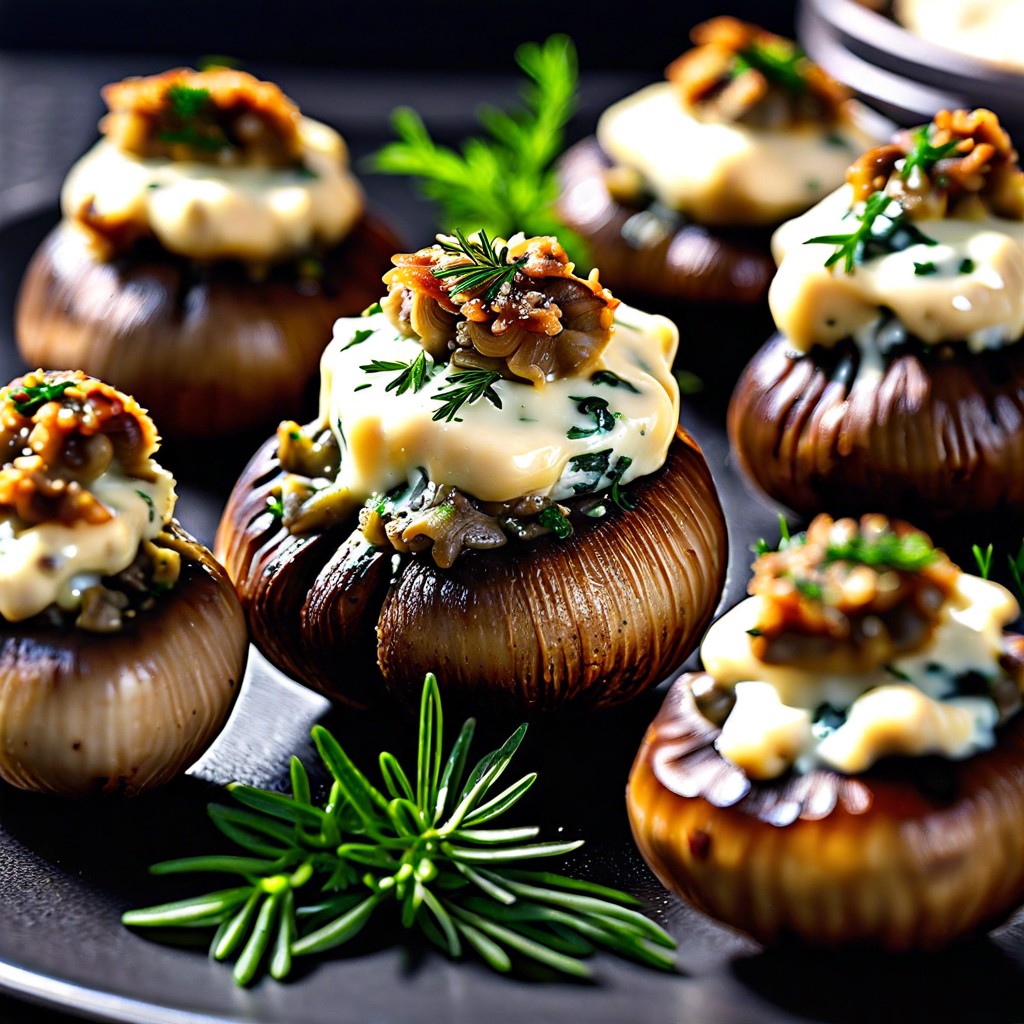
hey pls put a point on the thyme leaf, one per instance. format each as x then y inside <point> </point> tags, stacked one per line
<point>488,268</point>
<point>466,387</point>
<point>411,378</point>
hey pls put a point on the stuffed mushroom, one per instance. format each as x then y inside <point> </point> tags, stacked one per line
<point>496,490</point>
<point>122,643</point>
<point>209,240</point>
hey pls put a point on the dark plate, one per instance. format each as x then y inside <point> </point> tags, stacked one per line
<point>67,871</point>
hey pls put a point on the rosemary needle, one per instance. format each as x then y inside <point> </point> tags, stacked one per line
<point>425,844</point>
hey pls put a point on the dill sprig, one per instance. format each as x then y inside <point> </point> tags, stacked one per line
<point>503,181</point>
<point>312,876</point>
<point>464,388</point>
<point>488,269</point>
<point>923,155</point>
<point>412,377</point>
<point>29,400</point>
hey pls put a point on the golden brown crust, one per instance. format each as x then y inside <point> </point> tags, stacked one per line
<point>83,713</point>
<point>938,434</point>
<point>981,166</point>
<point>642,255</point>
<point>219,115</point>
<point>721,80</point>
<point>583,623</point>
<point>184,339</point>
<point>910,856</point>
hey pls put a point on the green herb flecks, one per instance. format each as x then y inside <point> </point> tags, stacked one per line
<point>373,309</point>
<point>149,501</point>
<point>910,552</point>
<point>612,380</point>
<point>275,506</point>
<point>624,501</point>
<point>503,182</point>
<point>924,269</point>
<point>1017,572</point>
<point>311,876</point>
<point>412,376</point>
<point>966,266</point>
<point>486,272</point>
<point>923,155</point>
<point>29,400</point>
<point>762,547</point>
<point>597,409</point>
<point>358,338</point>
<point>883,227</point>
<point>778,60</point>
<point>192,120</point>
<point>465,388</point>
<point>556,522</point>
<point>593,463</point>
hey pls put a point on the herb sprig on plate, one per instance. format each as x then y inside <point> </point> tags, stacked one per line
<point>29,400</point>
<point>488,268</point>
<point>465,388</point>
<point>313,875</point>
<point>411,377</point>
<point>504,181</point>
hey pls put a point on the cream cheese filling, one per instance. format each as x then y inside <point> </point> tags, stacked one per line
<point>53,563</point>
<point>910,706</point>
<point>491,453</point>
<point>207,212</point>
<point>727,173</point>
<point>968,286</point>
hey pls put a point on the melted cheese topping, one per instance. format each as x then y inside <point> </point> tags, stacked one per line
<point>491,453</point>
<point>204,211</point>
<point>53,563</point>
<point>726,173</point>
<point>910,707</point>
<point>974,294</point>
<point>988,29</point>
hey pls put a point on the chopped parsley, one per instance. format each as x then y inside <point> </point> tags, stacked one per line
<point>924,269</point>
<point>612,380</point>
<point>966,266</point>
<point>557,523</point>
<point>593,463</point>
<point>29,400</point>
<point>358,338</point>
<point>373,309</point>
<point>597,408</point>
<point>275,506</point>
<point>624,501</point>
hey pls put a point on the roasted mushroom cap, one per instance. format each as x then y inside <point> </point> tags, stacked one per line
<point>82,713</point>
<point>657,253</point>
<point>583,623</point>
<point>940,432</point>
<point>204,348</point>
<point>912,855</point>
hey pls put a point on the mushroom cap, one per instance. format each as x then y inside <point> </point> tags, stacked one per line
<point>82,713</point>
<point>205,349</point>
<point>583,623</point>
<point>937,434</point>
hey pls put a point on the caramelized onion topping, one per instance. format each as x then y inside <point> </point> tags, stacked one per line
<point>218,116</point>
<point>536,322</point>
<point>60,430</point>
<point>740,73</point>
<point>980,165</point>
<point>874,587</point>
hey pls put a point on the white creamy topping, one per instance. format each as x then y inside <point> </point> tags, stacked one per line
<point>53,563</point>
<point>727,173</point>
<point>975,293</point>
<point>911,707</point>
<point>205,211</point>
<point>497,454</point>
<point>989,29</point>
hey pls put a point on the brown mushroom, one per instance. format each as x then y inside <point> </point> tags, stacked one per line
<point>909,856</point>
<point>581,623</point>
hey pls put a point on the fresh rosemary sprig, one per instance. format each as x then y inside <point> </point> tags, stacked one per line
<point>487,270</point>
<point>465,388</point>
<point>503,182</point>
<point>29,400</point>
<point>923,155</point>
<point>313,876</point>
<point>411,378</point>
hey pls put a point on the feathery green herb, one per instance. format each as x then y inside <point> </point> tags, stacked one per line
<point>778,60</point>
<point>29,400</point>
<point>192,120</point>
<point>503,182</point>
<point>923,155</point>
<point>411,378</point>
<point>488,268</point>
<point>465,388</point>
<point>312,876</point>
